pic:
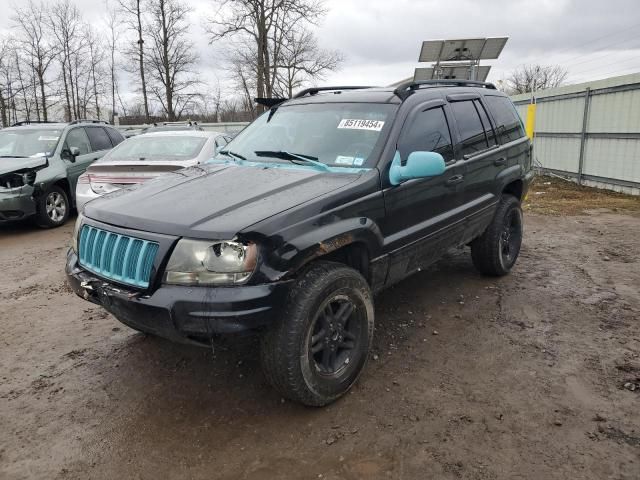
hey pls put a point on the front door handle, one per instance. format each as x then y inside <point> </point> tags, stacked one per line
<point>456,179</point>
<point>500,162</point>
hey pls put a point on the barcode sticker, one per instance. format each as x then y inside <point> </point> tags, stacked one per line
<point>355,124</point>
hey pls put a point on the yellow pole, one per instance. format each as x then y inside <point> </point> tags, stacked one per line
<point>531,120</point>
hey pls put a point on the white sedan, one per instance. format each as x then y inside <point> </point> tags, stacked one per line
<point>144,157</point>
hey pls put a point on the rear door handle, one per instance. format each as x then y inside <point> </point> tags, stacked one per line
<point>500,162</point>
<point>456,179</point>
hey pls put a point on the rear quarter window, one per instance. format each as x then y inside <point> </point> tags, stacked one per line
<point>115,136</point>
<point>507,120</point>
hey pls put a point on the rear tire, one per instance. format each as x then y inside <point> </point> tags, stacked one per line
<point>495,252</point>
<point>53,208</point>
<point>316,350</point>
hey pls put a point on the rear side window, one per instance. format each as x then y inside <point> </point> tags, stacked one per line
<point>115,136</point>
<point>488,129</point>
<point>429,132</point>
<point>99,138</point>
<point>472,135</point>
<point>507,119</point>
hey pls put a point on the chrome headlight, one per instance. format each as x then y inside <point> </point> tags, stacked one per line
<point>76,232</point>
<point>198,262</point>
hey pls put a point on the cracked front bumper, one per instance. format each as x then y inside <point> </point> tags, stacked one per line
<point>182,314</point>
<point>17,204</point>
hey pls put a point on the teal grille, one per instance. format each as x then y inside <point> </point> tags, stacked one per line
<point>117,257</point>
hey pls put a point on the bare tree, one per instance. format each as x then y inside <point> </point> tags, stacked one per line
<point>96,63</point>
<point>37,47</point>
<point>65,22</point>
<point>23,84</point>
<point>171,57</point>
<point>264,26</point>
<point>7,82</point>
<point>112,44</point>
<point>132,11</point>
<point>528,78</point>
<point>301,60</point>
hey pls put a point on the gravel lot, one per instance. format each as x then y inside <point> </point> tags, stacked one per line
<point>470,377</point>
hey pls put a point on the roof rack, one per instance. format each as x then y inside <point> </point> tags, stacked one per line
<point>88,120</point>
<point>405,89</point>
<point>184,122</point>
<point>314,90</point>
<point>29,122</point>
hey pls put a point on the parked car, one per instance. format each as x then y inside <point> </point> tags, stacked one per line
<point>172,127</point>
<point>144,157</point>
<point>321,202</point>
<point>130,131</point>
<point>40,164</point>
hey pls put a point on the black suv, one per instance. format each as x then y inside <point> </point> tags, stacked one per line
<point>322,201</point>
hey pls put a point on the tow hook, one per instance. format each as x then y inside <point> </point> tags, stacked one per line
<point>86,289</point>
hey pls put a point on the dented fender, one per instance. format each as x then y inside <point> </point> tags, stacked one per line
<point>324,240</point>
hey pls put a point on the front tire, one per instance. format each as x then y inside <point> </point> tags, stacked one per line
<point>316,350</point>
<point>495,252</point>
<point>53,208</point>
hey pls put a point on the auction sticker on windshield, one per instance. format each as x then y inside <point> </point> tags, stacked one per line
<point>352,123</point>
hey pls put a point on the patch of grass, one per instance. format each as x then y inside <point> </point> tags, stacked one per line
<point>554,196</point>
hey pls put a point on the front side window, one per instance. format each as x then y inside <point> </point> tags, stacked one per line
<point>472,136</point>
<point>152,147</point>
<point>28,142</point>
<point>506,117</point>
<point>427,132</point>
<point>79,139</point>
<point>336,134</point>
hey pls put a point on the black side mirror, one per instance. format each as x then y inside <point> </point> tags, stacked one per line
<point>70,154</point>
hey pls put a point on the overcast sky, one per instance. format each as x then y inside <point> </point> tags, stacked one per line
<point>381,39</point>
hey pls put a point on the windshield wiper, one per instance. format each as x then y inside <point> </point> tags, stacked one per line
<point>13,156</point>
<point>231,154</point>
<point>284,155</point>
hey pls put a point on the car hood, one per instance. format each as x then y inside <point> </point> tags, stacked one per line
<point>214,201</point>
<point>8,165</point>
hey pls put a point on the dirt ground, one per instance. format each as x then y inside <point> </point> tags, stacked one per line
<point>470,377</point>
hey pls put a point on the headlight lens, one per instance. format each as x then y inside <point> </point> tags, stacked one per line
<point>76,232</point>
<point>197,262</point>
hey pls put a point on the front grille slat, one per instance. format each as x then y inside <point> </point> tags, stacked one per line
<point>117,257</point>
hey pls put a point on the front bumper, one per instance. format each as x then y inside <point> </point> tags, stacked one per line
<point>17,204</point>
<point>182,314</point>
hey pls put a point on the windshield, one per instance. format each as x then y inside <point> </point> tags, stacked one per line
<point>153,147</point>
<point>336,134</point>
<point>28,142</point>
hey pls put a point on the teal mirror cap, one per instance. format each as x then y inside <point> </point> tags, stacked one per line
<point>419,165</point>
